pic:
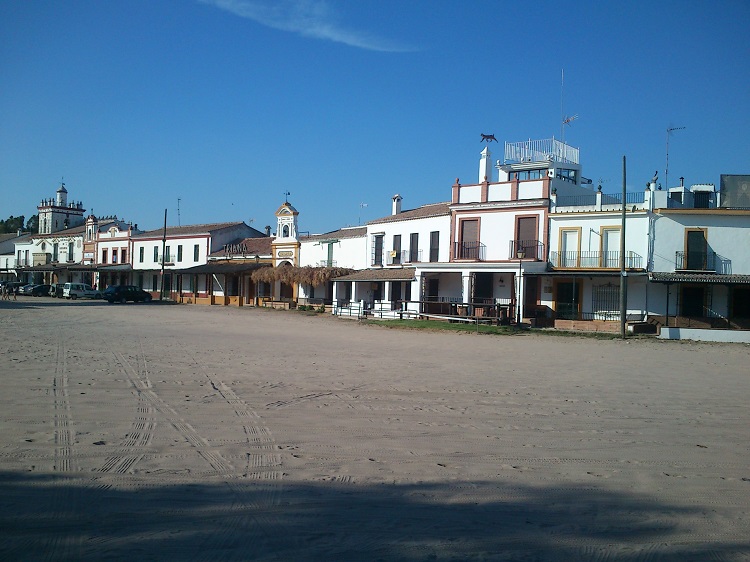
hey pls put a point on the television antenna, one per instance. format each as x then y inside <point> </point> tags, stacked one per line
<point>361,206</point>
<point>666,168</point>
<point>178,211</point>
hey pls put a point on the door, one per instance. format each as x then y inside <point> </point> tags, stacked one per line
<point>568,300</point>
<point>610,248</point>
<point>469,247</point>
<point>696,250</point>
<point>526,237</point>
<point>569,248</point>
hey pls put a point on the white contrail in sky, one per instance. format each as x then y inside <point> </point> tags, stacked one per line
<point>309,18</point>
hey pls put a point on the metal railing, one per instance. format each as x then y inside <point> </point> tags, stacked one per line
<point>695,261</point>
<point>594,260</point>
<point>588,200</point>
<point>540,150</point>
<point>395,257</point>
<point>630,198</point>
<point>469,251</point>
<point>531,250</point>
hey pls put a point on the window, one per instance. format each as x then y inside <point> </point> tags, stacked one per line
<point>166,255</point>
<point>527,175</point>
<point>114,255</point>
<point>140,258</point>
<point>179,252</point>
<point>414,247</point>
<point>123,255</point>
<point>55,256</point>
<point>434,245</point>
<point>701,199</point>
<point>396,255</point>
<point>377,249</point>
<point>70,251</point>
<point>104,255</point>
<point>156,253</point>
<point>196,252</point>
<point>469,241</point>
<point>566,175</point>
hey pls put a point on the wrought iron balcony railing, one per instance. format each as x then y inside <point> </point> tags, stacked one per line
<point>695,261</point>
<point>594,260</point>
<point>469,251</point>
<point>530,250</point>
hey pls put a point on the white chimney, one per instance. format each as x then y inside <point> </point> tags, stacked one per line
<point>485,165</point>
<point>396,208</point>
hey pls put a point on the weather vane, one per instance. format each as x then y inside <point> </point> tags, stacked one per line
<point>488,138</point>
<point>286,196</point>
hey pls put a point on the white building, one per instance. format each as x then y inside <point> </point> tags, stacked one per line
<point>178,248</point>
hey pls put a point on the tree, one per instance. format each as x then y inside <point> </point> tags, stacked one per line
<point>32,225</point>
<point>13,224</point>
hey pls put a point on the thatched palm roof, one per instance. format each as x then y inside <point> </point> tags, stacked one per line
<point>305,275</point>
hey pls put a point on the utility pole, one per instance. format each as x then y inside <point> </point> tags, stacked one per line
<point>623,273</point>
<point>163,248</point>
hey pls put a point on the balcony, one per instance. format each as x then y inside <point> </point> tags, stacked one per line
<point>594,260</point>
<point>396,257</point>
<point>695,261</point>
<point>532,249</point>
<point>475,251</point>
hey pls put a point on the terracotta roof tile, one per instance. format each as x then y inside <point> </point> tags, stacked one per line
<point>425,211</point>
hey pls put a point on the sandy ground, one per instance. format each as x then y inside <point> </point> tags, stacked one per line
<point>144,432</point>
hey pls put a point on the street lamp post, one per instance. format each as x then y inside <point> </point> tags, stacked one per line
<point>520,254</point>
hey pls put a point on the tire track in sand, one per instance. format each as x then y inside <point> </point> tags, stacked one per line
<point>262,463</point>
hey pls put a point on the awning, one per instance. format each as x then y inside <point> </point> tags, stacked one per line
<point>713,278</point>
<point>114,268</point>
<point>390,274</point>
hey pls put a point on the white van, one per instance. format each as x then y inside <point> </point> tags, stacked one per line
<point>75,290</point>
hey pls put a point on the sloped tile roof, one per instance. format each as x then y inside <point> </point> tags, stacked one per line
<point>189,229</point>
<point>671,277</point>
<point>340,233</point>
<point>425,211</point>
<point>260,246</point>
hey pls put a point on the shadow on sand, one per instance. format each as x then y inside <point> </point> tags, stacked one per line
<point>65,518</point>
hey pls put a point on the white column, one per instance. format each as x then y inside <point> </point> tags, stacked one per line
<point>465,286</point>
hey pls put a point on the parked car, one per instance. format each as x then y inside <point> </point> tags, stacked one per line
<point>124,293</point>
<point>80,290</point>
<point>26,289</point>
<point>40,291</point>
<point>56,290</point>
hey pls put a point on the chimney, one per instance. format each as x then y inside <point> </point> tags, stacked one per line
<point>268,231</point>
<point>682,182</point>
<point>396,208</point>
<point>18,233</point>
<point>485,165</point>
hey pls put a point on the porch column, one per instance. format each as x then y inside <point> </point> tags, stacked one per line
<point>519,296</point>
<point>387,292</point>
<point>335,296</point>
<point>416,289</point>
<point>466,288</point>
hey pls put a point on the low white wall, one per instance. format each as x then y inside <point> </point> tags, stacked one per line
<point>731,336</point>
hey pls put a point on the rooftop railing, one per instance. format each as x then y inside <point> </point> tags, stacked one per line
<point>540,151</point>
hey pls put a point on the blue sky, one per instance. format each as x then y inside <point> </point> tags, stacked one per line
<point>228,104</point>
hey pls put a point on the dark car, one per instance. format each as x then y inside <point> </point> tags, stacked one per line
<point>56,290</point>
<point>40,291</point>
<point>124,293</point>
